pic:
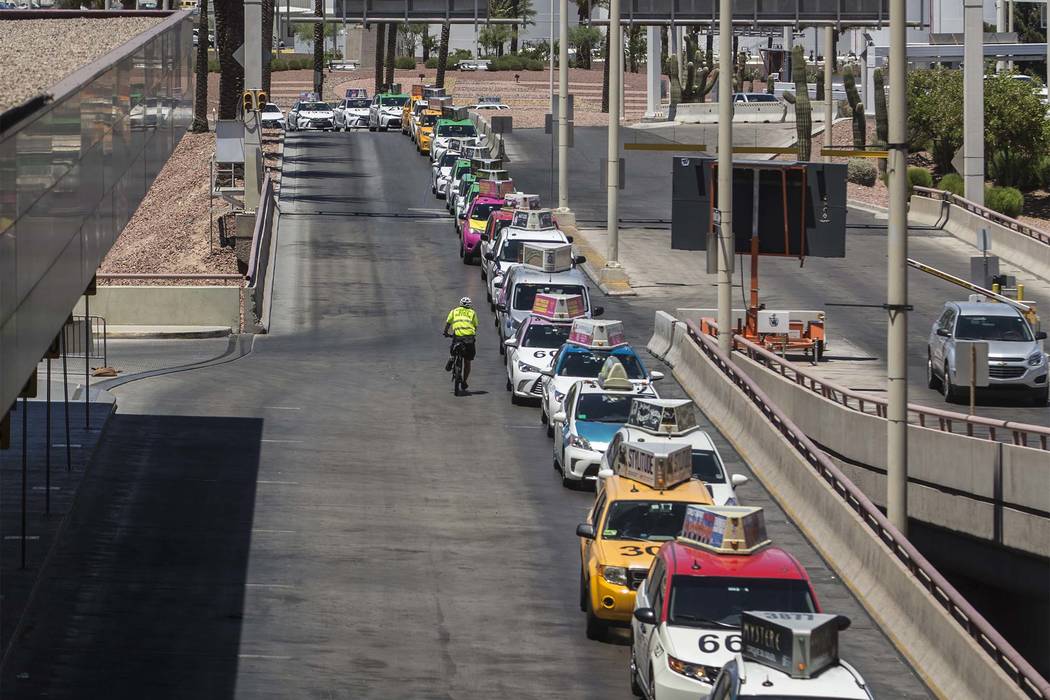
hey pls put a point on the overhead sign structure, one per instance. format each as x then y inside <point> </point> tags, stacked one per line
<point>411,10</point>
<point>778,12</point>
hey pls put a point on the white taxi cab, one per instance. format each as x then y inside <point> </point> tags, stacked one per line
<point>790,655</point>
<point>590,414</point>
<point>674,422</point>
<point>532,349</point>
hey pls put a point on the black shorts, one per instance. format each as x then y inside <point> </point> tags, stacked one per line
<point>466,346</point>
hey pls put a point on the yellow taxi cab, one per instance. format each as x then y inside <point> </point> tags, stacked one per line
<point>407,111</point>
<point>639,504</point>
<point>425,129</point>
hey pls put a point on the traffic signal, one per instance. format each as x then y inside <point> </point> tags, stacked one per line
<point>248,101</point>
<point>261,98</point>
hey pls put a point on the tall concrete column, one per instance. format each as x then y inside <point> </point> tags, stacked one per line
<point>652,71</point>
<point>1000,26</point>
<point>563,104</point>
<point>973,100</point>
<point>253,57</point>
<point>789,42</point>
<point>725,174</point>
<point>897,278</point>
<point>612,185</point>
<point>829,62</point>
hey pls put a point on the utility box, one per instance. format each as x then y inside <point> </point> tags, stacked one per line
<point>984,269</point>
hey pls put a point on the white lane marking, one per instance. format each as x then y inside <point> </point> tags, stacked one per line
<point>268,585</point>
<point>279,483</point>
<point>44,488</point>
<point>18,537</point>
<point>62,444</point>
<point>283,408</point>
<point>525,427</point>
<point>283,442</point>
<point>268,657</point>
<point>275,532</point>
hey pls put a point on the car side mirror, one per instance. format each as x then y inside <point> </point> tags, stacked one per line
<point>498,284</point>
<point>585,530</point>
<point>489,255</point>
<point>943,332</point>
<point>1041,335</point>
<point>605,473</point>
<point>560,417</point>
<point>597,311</point>
<point>501,307</point>
<point>511,342</point>
<point>579,259</point>
<point>656,376</point>
<point>485,237</point>
<point>547,372</point>
<point>569,239</point>
<point>462,216</point>
<point>647,616</point>
<point>738,480</point>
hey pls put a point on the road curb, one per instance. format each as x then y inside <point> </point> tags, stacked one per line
<point>167,333</point>
<point>592,269</point>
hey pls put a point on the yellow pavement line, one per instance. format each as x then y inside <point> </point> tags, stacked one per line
<point>665,147</point>
<point>765,149</point>
<point>852,153</point>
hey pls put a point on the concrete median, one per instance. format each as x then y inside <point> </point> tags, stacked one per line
<point>947,658</point>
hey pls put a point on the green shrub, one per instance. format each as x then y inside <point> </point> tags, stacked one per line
<point>213,65</point>
<point>861,171</point>
<point>508,62</point>
<point>406,63</point>
<point>450,64</point>
<point>535,64</point>
<point>1008,201</point>
<point>952,182</point>
<point>1043,172</point>
<point>919,177</point>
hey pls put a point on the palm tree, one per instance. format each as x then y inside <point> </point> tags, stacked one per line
<point>380,52</point>
<point>229,35</point>
<point>391,51</point>
<point>319,48</point>
<point>605,72</point>
<point>583,49</point>
<point>267,32</point>
<point>442,55</point>
<point>200,99</point>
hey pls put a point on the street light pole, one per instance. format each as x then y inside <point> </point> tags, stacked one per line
<point>973,100</point>
<point>897,287</point>
<point>612,183</point>
<point>253,56</point>
<point>563,104</point>
<point>829,62</point>
<point>725,175</point>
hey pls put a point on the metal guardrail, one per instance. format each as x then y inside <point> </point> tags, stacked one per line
<point>984,213</point>
<point>93,347</point>
<point>1023,434</point>
<point>263,221</point>
<point>1026,678</point>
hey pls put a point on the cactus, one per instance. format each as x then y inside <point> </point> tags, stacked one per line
<point>860,127</point>
<point>769,85</point>
<point>691,87</point>
<point>789,97</point>
<point>676,83</point>
<point>803,107</point>
<point>882,127</point>
<point>820,85</point>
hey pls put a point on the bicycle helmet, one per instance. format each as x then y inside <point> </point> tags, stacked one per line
<point>466,302</point>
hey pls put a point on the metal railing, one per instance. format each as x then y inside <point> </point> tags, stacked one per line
<point>92,347</point>
<point>984,213</point>
<point>1023,434</point>
<point>1026,678</point>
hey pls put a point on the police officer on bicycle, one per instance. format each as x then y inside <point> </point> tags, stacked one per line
<point>462,326</point>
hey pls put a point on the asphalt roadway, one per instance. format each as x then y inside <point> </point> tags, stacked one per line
<point>322,518</point>
<point>859,278</point>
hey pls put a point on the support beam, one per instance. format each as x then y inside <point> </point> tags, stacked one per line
<point>897,278</point>
<point>973,101</point>
<point>829,62</point>
<point>725,175</point>
<point>652,71</point>
<point>563,104</point>
<point>253,57</point>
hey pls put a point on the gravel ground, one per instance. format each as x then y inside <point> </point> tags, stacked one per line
<point>170,230</point>
<point>25,75</point>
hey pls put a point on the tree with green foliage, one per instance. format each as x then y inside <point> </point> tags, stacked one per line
<point>229,35</point>
<point>582,39</point>
<point>935,114</point>
<point>636,47</point>
<point>492,37</point>
<point>442,55</point>
<point>1015,129</point>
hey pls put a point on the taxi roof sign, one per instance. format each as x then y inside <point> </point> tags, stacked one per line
<point>558,307</point>
<point>355,92</point>
<point>547,257</point>
<point>520,200</point>
<point>725,529</point>
<point>613,376</point>
<point>493,188</point>
<point>417,90</point>
<point>668,417</point>
<point>533,219</point>
<point>475,151</point>
<point>489,99</point>
<point>656,466</point>
<point>597,334</point>
<point>798,644</point>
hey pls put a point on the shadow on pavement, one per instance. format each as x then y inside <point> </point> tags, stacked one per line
<point>143,593</point>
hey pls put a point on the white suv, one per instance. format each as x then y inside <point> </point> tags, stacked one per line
<point>1016,359</point>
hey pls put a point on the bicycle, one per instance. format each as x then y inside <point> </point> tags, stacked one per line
<point>456,354</point>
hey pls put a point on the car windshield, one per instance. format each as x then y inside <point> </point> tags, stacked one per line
<point>271,108</point>
<point>525,294</point>
<point>587,365</point>
<point>546,336</point>
<point>461,169</point>
<point>645,520</point>
<point>1005,328</point>
<point>449,159</point>
<point>511,250</point>
<point>697,600</point>
<point>604,408</point>
<point>706,467</point>
<point>314,107</point>
<point>761,97</point>
<point>481,211</point>
<point>456,130</point>
<point>358,103</point>
<point>428,119</point>
<point>393,101</point>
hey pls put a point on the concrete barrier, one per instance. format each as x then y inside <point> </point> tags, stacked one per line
<point>743,112</point>
<point>663,334</point>
<point>167,306</point>
<point>1012,246</point>
<point>947,658</point>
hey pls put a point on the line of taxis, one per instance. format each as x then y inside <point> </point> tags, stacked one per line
<point>714,608</point>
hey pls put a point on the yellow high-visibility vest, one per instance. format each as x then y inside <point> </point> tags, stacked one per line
<point>463,321</point>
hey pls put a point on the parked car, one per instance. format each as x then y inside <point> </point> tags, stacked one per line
<point>308,114</point>
<point>1016,359</point>
<point>352,113</point>
<point>271,117</point>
